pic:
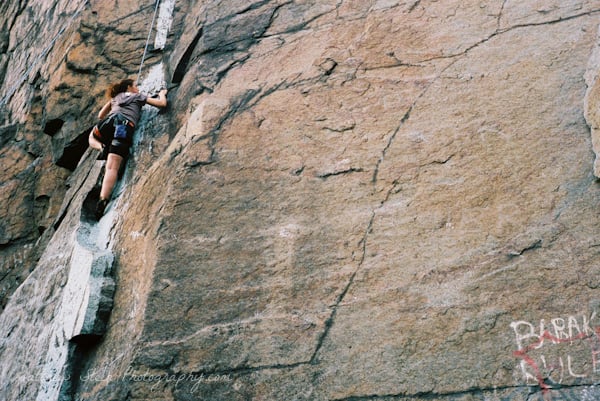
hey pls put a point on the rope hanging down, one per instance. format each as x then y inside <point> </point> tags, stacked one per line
<point>39,58</point>
<point>137,80</point>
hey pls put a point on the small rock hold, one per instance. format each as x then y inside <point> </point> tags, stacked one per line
<point>327,66</point>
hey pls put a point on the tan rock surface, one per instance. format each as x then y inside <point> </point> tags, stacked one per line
<point>355,200</point>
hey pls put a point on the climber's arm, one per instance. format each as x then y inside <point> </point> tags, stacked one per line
<point>105,110</point>
<point>161,101</point>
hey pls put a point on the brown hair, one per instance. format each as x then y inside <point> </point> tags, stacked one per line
<point>119,87</point>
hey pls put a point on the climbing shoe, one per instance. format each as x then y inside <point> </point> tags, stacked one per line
<point>100,206</point>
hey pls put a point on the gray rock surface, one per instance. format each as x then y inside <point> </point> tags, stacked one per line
<point>67,299</point>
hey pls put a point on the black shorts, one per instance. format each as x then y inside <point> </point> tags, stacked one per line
<point>116,132</point>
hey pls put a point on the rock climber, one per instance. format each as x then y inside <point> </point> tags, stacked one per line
<point>114,133</point>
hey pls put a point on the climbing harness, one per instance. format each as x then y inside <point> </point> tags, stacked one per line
<point>137,80</point>
<point>39,58</point>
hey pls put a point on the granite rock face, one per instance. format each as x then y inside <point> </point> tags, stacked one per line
<point>56,59</point>
<point>345,200</point>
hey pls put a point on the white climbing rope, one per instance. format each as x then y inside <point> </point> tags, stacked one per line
<point>137,80</point>
<point>39,58</point>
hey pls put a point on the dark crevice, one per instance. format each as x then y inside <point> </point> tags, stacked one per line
<point>324,176</point>
<point>74,151</point>
<point>53,126</point>
<point>194,164</point>
<point>14,242</point>
<point>66,208</point>
<point>81,348</point>
<point>88,208</point>
<point>40,206</point>
<point>536,245</point>
<point>217,42</point>
<point>328,66</point>
<point>182,66</point>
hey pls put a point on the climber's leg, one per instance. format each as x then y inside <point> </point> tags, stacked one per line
<point>113,163</point>
<point>111,173</point>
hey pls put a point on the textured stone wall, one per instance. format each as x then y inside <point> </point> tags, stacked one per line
<point>54,68</point>
<point>352,200</point>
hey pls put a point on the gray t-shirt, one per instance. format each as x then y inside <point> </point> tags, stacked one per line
<point>129,105</point>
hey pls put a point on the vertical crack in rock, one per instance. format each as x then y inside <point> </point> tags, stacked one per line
<point>591,78</point>
<point>80,318</point>
<point>74,151</point>
<point>86,298</point>
<point>334,308</point>
<point>182,65</point>
<point>500,13</point>
<point>404,119</point>
<point>389,144</point>
<point>330,321</point>
<point>363,243</point>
